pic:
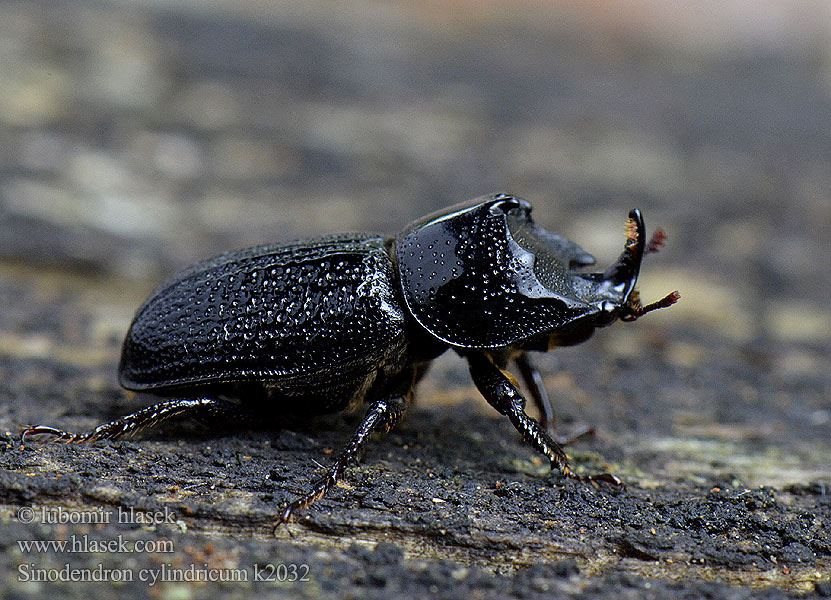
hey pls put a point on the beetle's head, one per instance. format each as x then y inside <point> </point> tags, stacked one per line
<point>613,291</point>
<point>483,275</point>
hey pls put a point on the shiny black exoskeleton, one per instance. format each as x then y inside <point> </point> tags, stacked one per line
<point>317,326</point>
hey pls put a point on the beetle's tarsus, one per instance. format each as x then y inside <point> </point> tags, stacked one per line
<point>384,414</point>
<point>68,437</point>
<point>146,418</point>
<point>45,430</point>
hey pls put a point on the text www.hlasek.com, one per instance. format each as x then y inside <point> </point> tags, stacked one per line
<point>83,544</point>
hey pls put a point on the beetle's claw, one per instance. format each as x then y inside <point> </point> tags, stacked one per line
<point>303,502</point>
<point>286,516</point>
<point>608,479</point>
<point>277,527</point>
<point>284,519</point>
<point>100,432</point>
<point>59,434</point>
<point>603,478</point>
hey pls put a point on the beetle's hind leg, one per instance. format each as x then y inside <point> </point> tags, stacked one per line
<point>383,413</point>
<point>504,396</point>
<point>533,380</point>
<point>202,408</point>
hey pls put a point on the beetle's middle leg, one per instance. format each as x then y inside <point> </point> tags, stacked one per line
<point>211,408</point>
<point>504,396</point>
<point>382,413</point>
<point>533,380</point>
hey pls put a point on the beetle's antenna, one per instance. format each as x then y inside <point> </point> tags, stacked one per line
<point>636,310</point>
<point>656,242</point>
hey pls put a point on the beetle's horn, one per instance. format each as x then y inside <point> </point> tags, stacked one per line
<point>624,273</point>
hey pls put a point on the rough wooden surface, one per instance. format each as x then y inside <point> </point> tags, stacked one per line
<point>137,139</point>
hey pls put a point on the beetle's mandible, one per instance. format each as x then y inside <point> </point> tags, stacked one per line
<point>317,326</point>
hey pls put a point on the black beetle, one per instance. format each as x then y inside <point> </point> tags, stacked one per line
<point>318,326</point>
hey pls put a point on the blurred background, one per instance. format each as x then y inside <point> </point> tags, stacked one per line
<point>139,136</point>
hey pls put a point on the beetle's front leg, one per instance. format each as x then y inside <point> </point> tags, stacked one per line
<point>503,395</point>
<point>382,413</point>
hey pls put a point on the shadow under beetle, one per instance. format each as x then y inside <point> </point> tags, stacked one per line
<point>318,326</point>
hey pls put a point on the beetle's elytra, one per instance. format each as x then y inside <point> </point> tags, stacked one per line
<point>317,326</point>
